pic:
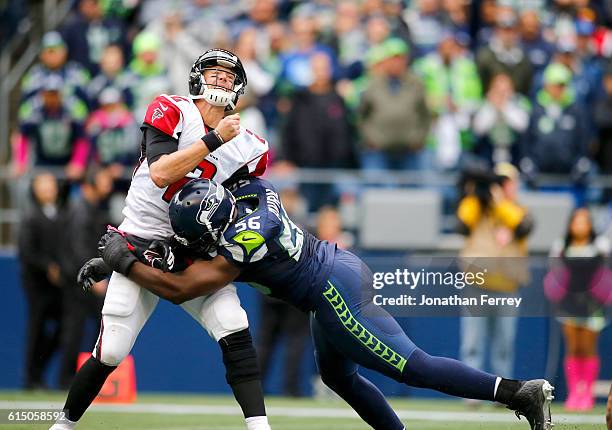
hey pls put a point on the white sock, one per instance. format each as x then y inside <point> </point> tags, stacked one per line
<point>497,381</point>
<point>64,424</point>
<point>257,423</point>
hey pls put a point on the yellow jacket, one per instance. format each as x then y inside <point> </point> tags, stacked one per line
<point>506,264</point>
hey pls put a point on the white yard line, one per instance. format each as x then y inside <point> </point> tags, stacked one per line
<point>302,412</point>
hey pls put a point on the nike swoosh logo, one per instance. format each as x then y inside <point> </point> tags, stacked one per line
<point>164,108</point>
<point>248,239</point>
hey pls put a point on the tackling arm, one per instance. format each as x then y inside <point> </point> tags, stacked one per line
<point>199,279</point>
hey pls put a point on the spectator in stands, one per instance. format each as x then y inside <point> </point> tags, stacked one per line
<point>122,9</point>
<point>538,50</point>
<point>260,14</point>
<point>426,24</point>
<point>53,61</point>
<point>317,133</point>
<point>557,140</point>
<point>112,74</point>
<point>453,91</point>
<point>152,78</point>
<point>580,283</point>
<point>329,227</point>
<point>13,13</point>
<point>457,18</point>
<point>250,115</point>
<point>88,32</point>
<point>51,132</point>
<point>586,67</point>
<point>393,116</point>
<point>270,59</point>
<point>349,40</point>
<point>500,122</point>
<point>41,276</point>
<point>261,80</point>
<point>113,134</point>
<point>282,321</point>
<point>485,26</point>
<point>561,18</point>
<point>603,114</point>
<point>296,71</point>
<point>504,54</point>
<point>87,217</point>
<point>393,11</point>
<point>377,30</point>
<point>496,226</point>
<point>183,39</point>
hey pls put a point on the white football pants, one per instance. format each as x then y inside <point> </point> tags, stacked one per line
<point>127,308</point>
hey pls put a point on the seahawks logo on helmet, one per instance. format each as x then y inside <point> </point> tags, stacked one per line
<point>200,213</point>
<point>209,206</point>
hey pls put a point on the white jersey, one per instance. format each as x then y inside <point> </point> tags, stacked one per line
<point>146,209</point>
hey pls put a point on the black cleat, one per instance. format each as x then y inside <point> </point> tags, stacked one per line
<point>532,401</point>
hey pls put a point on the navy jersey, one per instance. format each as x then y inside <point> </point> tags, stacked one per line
<point>276,256</point>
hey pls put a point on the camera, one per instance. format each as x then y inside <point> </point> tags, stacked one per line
<point>477,179</point>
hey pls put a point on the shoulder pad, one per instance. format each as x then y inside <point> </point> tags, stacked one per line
<point>164,115</point>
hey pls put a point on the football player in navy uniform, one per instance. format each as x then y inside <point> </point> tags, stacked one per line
<point>246,236</point>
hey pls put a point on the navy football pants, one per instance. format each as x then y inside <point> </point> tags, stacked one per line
<point>349,330</point>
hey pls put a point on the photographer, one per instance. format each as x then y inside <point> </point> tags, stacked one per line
<point>496,227</point>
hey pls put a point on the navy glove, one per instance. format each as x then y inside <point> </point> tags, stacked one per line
<point>93,271</point>
<point>116,251</point>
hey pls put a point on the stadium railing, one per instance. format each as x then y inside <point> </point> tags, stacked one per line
<point>410,203</point>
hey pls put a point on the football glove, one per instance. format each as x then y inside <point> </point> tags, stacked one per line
<point>116,251</point>
<point>159,255</point>
<point>92,271</point>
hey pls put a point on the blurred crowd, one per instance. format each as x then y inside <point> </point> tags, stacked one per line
<point>425,85</point>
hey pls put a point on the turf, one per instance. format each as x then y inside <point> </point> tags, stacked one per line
<point>305,414</point>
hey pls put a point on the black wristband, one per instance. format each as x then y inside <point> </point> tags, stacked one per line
<point>212,140</point>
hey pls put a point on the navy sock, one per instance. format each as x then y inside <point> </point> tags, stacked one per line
<point>366,400</point>
<point>448,376</point>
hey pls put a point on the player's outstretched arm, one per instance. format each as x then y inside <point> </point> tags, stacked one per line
<point>199,279</point>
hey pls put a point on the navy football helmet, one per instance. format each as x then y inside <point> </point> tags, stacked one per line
<point>200,213</point>
<point>213,94</point>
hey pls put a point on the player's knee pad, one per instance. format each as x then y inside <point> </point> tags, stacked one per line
<point>239,357</point>
<point>114,342</point>
<point>222,315</point>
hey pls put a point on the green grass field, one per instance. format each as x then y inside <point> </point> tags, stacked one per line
<point>191,412</point>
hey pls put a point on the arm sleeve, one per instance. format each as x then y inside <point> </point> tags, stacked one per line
<point>157,143</point>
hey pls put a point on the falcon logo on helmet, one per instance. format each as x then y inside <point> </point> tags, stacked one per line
<point>217,95</point>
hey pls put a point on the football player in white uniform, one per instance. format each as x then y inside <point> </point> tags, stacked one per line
<point>183,138</point>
